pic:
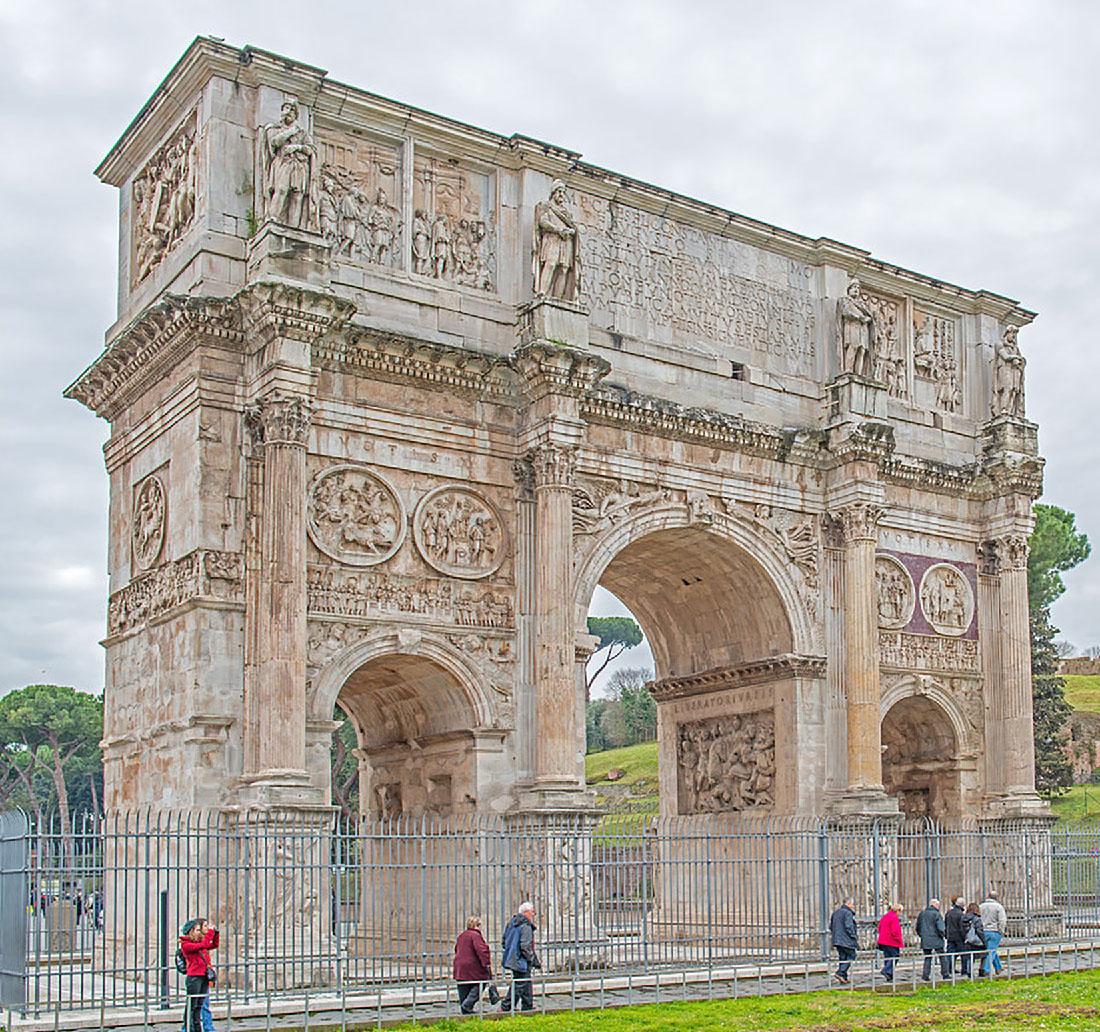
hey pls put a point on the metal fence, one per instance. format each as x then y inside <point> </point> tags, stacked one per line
<point>90,913</point>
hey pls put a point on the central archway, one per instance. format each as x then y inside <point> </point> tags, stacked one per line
<point>739,682</point>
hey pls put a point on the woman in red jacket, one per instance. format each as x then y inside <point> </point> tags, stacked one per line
<point>197,939</point>
<point>890,940</point>
<point>473,965</point>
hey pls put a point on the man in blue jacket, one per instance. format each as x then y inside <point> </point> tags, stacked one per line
<point>520,958</point>
<point>842,928</point>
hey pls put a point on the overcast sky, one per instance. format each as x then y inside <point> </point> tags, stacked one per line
<point>956,139</point>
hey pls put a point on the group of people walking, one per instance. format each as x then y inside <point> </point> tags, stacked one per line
<point>968,935</point>
<point>473,966</point>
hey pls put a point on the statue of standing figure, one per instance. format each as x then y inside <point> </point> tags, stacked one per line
<point>1008,376</point>
<point>856,332</point>
<point>290,171</point>
<point>557,254</point>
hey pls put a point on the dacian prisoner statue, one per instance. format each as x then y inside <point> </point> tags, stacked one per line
<point>290,171</point>
<point>1008,376</point>
<point>856,332</point>
<point>557,256</point>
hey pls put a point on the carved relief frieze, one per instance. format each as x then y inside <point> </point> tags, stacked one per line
<point>460,533</point>
<point>360,181</point>
<point>689,282</point>
<point>936,356</point>
<point>203,573</point>
<point>946,599</point>
<point>903,651</point>
<point>376,595</point>
<point>163,200</point>
<point>897,595</point>
<point>453,236</point>
<point>149,522</point>
<point>599,504</point>
<point>355,516</point>
<point>726,763</point>
<point>890,362</point>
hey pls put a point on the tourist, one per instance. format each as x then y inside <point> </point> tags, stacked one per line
<point>933,939</point>
<point>842,928</point>
<point>955,933</point>
<point>520,958</point>
<point>973,939</point>
<point>890,940</point>
<point>473,966</point>
<point>995,923</point>
<point>197,938</point>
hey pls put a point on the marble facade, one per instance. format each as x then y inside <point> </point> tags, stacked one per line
<point>390,395</point>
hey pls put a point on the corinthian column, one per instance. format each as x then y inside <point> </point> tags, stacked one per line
<point>1010,693</point>
<point>277,704</point>
<point>558,738</point>
<point>858,525</point>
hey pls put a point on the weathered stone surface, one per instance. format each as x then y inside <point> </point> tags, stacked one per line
<point>391,395</point>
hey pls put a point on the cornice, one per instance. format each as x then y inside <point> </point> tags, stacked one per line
<point>741,675</point>
<point>273,309</point>
<point>154,342</point>
<point>546,368</point>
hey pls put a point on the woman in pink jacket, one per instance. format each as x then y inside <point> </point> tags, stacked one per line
<point>890,940</point>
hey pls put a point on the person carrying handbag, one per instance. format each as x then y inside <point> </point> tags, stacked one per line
<point>197,939</point>
<point>973,939</point>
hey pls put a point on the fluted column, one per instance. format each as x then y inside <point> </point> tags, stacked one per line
<point>858,524</point>
<point>1010,698</point>
<point>278,709</point>
<point>558,748</point>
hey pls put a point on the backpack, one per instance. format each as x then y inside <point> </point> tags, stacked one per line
<point>181,961</point>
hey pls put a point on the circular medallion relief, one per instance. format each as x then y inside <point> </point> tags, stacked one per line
<point>355,516</point>
<point>460,533</point>
<point>150,508</point>
<point>946,599</point>
<point>896,595</point>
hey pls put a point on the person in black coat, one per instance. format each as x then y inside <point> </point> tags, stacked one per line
<point>955,934</point>
<point>973,939</point>
<point>842,928</point>
<point>933,939</point>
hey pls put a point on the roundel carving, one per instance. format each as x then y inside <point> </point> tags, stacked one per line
<point>897,597</point>
<point>150,510</point>
<point>946,599</point>
<point>355,516</point>
<point>460,533</point>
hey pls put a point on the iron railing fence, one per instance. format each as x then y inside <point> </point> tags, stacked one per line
<point>90,913</point>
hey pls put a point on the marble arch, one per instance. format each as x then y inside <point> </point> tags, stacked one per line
<point>422,409</point>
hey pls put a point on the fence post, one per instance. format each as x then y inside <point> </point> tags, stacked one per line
<point>823,887</point>
<point>162,921</point>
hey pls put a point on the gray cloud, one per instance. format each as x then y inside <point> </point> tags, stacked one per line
<point>957,139</point>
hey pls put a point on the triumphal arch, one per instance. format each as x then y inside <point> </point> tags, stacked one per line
<point>390,395</point>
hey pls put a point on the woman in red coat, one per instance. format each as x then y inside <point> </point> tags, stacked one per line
<point>890,940</point>
<point>473,965</point>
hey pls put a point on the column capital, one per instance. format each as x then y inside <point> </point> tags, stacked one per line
<point>856,522</point>
<point>1005,554</point>
<point>547,368</point>
<point>280,418</point>
<point>554,465</point>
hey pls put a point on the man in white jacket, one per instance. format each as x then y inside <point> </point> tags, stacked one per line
<point>995,922</point>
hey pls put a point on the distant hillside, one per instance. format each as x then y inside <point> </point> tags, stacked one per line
<point>1083,692</point>
<point>635,786</point>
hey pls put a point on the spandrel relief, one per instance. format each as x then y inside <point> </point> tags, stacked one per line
<point>726,764</point>
<point>936,359</point>
<point>163,200</point>
<point>150,520</point>
<point>355,516</point>
<point>360,218</point>
<point>453,236</point>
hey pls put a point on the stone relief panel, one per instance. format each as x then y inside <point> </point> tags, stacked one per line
<point>162,205</point>
<point>599,504</point>
<point>903,651</point>
<point>453,236</point>
<point>360,184</point>
<point>936,360</point>
<point>891,365</point>
<point>202,573</point>
<point>946,599</point>
<point>896,594</point>
<point>355,516</point>
<point>689,283</point>
<point>376,595</point>
<point>460,533</point>
<point>727,763</point>
<point>150,521</point>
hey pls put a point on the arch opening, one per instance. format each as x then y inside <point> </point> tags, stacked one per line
<point>414,726</point>
<point>920,763</point>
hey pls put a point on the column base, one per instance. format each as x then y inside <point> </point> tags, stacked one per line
<point>279,253</point>
<point>853,395</point>
<point>1018,804</point>
<point>279,789</point>
<point>548,797</point>
<point>870,802</point>
<point>551,319</point>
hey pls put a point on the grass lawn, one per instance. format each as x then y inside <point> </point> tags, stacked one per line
<point>1083,692</point>
<point>1055,1002</point>
<point>1080,804</point>
<point>638,785</point>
